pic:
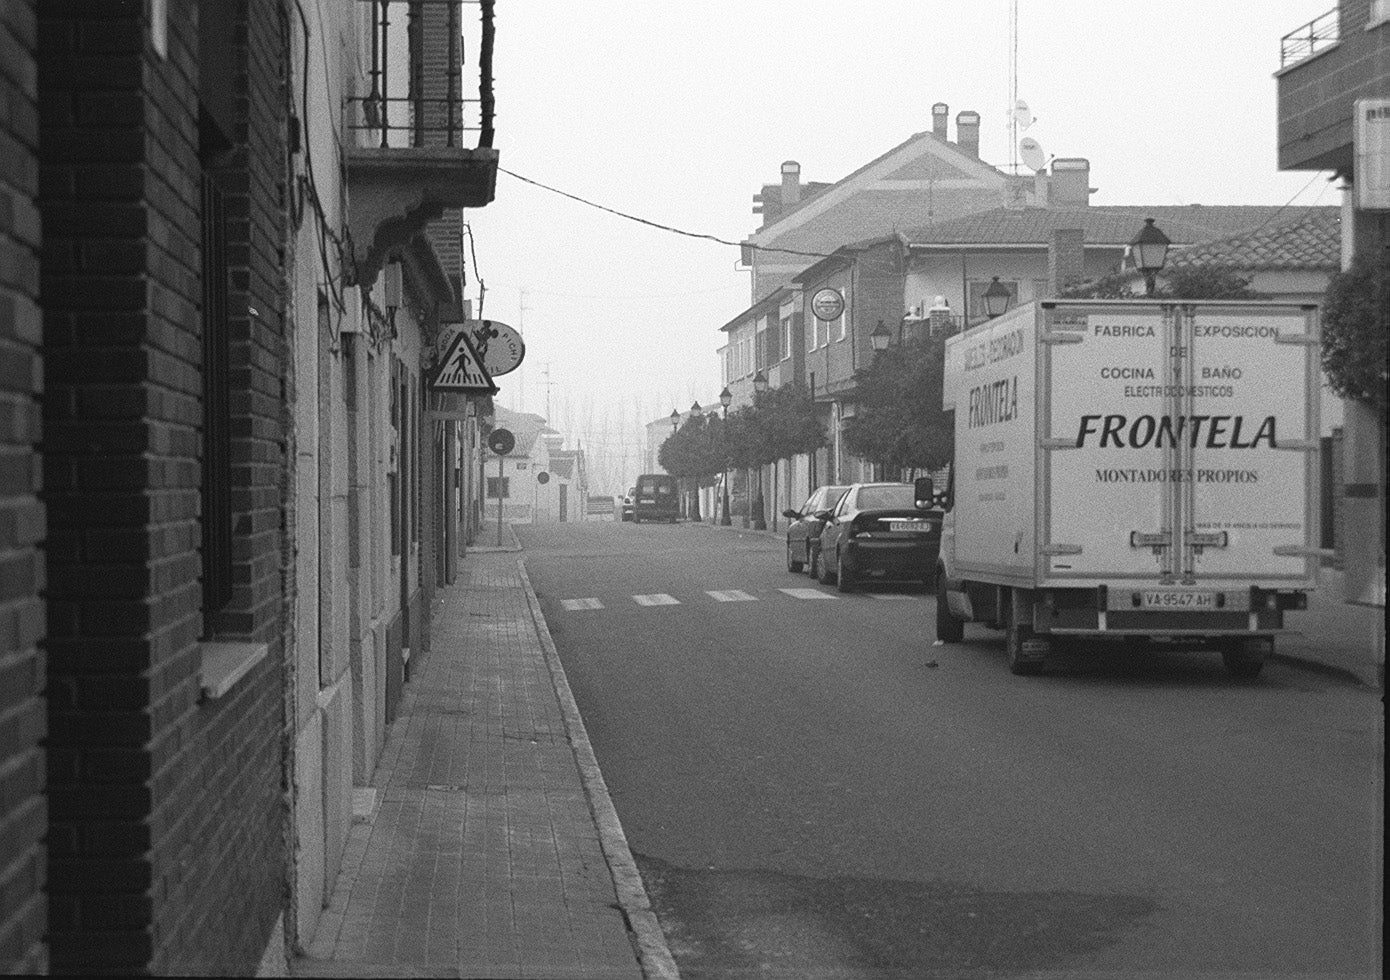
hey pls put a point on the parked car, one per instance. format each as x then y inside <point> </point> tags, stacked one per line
<point>626,510</point>
<point>877,531</point>
<point>656,499</point>
<point>803,533</point>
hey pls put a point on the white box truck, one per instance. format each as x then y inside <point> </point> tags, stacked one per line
<point>1134,469</point>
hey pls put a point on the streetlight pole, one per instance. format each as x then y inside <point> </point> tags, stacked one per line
<point>675,418</point>
<point>694,510</point>
<point>759,522</point>
<point>726,398</point>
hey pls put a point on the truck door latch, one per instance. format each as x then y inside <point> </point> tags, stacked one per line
<point>1156,540</point>
<point>1215,539</point>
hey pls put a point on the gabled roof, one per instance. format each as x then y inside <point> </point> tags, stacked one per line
<point>1312,241</point>
<point>1108,225</point>
<point>892,190</point>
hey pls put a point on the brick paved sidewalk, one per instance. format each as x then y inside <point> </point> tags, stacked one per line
<point>490,848</point>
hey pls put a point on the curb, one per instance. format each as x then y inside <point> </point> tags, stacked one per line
<point>653,955</point>
<point>1314,666</point>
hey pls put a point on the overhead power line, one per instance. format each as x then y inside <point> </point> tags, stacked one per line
<point>657,224</point>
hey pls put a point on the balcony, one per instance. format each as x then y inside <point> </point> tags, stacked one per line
<point>1325,66</point>
<point>421,142</point>
<point>1317,35</point>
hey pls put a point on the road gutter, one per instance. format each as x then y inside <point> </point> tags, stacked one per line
<point>653,955</point>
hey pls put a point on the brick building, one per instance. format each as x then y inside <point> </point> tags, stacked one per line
<point>1334,114</point>
<point>219,525</point>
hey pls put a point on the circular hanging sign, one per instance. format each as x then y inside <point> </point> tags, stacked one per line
<point>501,441</point>
<point>542,477</point>
<point>499,346</point>
<point>827,304</point>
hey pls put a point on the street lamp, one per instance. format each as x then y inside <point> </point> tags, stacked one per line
<point>1149,251</point>
<point>693,512</point>
<point>880,338</point>
<point>726,398</point>
<point>997,297</point>
<point>675,421</point>
<point>759,522</point>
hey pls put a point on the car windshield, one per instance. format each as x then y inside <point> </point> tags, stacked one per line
<point>875,498</point>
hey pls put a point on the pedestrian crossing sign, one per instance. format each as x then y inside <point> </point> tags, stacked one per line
<point>460,370</point>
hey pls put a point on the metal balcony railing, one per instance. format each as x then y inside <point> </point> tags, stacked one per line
<point>416,97</point>
<point>1319,33</point>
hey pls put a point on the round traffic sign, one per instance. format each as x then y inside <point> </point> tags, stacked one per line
<point>542,477</point>
<point>501,441</point>
<point>827,304</point>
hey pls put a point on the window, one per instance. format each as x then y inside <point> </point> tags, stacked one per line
<point>761,346</point>
<point>492,486</point>
<point>786,337</point>
<point>843,324</point>
<point>217,433</point>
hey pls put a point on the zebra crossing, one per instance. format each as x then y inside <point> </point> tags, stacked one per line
<point>719,595</point>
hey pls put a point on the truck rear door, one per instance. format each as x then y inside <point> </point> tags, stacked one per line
<point>1180,442</point>
<point>1106,502</point>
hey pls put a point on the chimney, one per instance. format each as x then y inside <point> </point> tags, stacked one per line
<point>1066,259</point>
<point>968,132</point>
<point>791,183</point>
<point>1070,186</point>
<point>939,112</point>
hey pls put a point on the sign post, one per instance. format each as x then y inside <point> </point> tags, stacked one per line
<point>500,441</point>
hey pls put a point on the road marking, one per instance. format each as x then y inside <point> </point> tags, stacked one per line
<point>807,593</point>
<point>573,604</point>
<point>730,595</point>
<point>659,599</point>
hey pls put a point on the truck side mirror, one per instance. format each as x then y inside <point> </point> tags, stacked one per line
<point>923,491</point>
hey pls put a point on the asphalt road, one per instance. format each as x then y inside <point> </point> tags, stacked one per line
<point>811,788</point>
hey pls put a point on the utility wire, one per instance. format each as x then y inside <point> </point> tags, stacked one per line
<point>655,224</point>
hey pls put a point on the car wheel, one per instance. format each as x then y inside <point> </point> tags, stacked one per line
<point>949,629</point>
<point>793,564</point>
<point>1245,657</point>
<point>823,574</point>
<point>844,574</point>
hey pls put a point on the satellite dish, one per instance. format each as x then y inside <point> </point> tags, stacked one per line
<point>1023,115</point>
<point>1032,153</point>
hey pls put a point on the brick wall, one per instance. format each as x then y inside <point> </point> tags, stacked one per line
<point>22,807</point>
<point>166,814</point>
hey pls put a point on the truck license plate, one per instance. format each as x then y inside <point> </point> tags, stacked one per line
<point>1174,599</point>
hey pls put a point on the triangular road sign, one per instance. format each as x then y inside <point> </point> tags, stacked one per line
<point>460,369</point>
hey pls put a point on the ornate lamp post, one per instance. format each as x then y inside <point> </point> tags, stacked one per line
<point>696,415</point>
<point>759,523</point>
<point>726,398</point>
<point>1149,251</point>
<point>997,298</point>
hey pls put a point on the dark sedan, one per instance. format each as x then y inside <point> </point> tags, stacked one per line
<point>878,532</point>
<point>803,533</point>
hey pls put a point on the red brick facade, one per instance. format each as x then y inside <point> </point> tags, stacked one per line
<point>167,813</point>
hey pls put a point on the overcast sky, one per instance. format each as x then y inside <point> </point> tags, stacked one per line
<point>679,112</point>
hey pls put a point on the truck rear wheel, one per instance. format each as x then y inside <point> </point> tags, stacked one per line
<point>949,629</point>
<point>1245,657</point>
